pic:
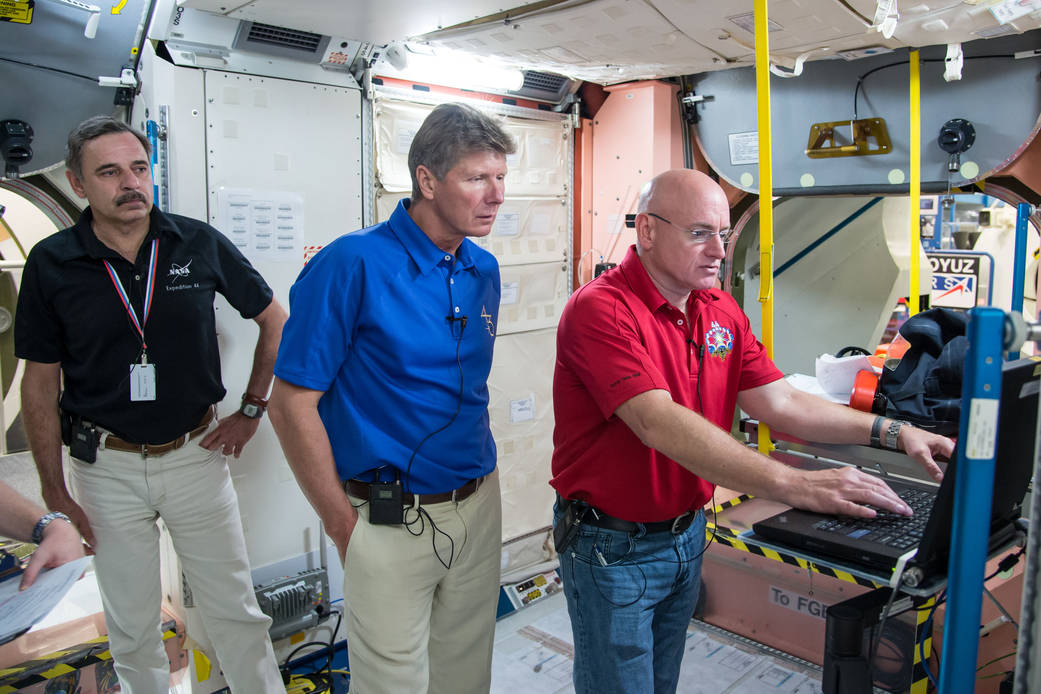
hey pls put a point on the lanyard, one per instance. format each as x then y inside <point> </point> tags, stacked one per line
<point>125,298</point>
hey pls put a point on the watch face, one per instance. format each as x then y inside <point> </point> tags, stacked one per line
<point>250,410</point>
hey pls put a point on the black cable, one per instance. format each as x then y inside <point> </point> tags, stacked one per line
<point>926,629</point>
<point>458,402</point>
<point>1005,564</point>
<point>860,80</point>
<point>628,559</point>
<point>422,513</point>
<point>881,626</point>
<point>51,69</point>
<point>329,647</point>
<point>332,646</point>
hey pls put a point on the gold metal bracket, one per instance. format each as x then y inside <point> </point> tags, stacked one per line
<point>846,138</point>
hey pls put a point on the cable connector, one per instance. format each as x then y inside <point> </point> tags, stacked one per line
<point>1009,561</point>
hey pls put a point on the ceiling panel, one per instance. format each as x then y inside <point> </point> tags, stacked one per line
<point>610,41</point>
<point>603,41</point>
<point>936,22</point>
<point>376,21</point>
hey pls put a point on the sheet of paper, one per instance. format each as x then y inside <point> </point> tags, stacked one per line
<point>836,374</point>
<point>809,384</point>
<point>19,610</point>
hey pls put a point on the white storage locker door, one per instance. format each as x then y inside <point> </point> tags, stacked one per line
<point>529,230</point>
<point>540,164</point>
<point>521,413</point>
<point>396,123</point>
<point>532,296</point>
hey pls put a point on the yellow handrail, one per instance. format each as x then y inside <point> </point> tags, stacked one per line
<point>915,143</point>
<point>766,190</point>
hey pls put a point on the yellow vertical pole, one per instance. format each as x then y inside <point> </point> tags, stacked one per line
<point>915,143</point>
<point>766,190</point>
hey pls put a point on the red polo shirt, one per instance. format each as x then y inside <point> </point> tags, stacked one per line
<point>618,337</point>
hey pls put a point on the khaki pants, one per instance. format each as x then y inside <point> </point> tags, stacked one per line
<point>413,625</point>
<point>190,488</point>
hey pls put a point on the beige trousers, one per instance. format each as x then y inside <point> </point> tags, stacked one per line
<point>190,488</point>
<point>412,624</point>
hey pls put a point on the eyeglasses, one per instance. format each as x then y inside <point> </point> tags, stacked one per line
<point>697,235</point>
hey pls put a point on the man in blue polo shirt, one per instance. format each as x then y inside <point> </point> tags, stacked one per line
<point>381,404</point>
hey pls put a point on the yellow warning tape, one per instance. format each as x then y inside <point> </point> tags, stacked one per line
<point>68,660</point>
<point>727,536</point>
<point>720,507</point>
<point>919,678</point>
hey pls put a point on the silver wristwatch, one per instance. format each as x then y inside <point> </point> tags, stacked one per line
<point>893,433</point>
<point>45,520</point>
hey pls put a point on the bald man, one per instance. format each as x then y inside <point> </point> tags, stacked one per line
<point>651,362</point>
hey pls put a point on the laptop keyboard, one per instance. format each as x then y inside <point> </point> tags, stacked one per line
<point>899,532</point>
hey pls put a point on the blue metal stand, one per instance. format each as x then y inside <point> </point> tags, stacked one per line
<point>973,489</point>
<point>1019,262</point>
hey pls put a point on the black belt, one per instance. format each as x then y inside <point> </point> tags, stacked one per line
<point>360,489</point>
<point>676,526</point>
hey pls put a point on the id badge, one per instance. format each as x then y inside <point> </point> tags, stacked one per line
<point>142,382</point>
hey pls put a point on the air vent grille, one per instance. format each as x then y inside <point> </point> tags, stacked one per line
<point>543,81</point>
<point>288,38</point>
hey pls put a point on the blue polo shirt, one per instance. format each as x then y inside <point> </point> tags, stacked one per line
<point>368,325</point>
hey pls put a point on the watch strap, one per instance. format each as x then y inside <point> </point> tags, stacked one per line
<point>254,399</point>
<point>45,520</point>
<point>876,432</point>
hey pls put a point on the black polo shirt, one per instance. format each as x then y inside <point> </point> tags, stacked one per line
<point>70,312</point>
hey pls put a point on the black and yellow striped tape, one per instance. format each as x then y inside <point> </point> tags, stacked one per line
<point>62,662</point>
<point>726,536</point>
<point>719,508</point>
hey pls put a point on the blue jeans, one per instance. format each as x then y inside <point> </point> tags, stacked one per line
<point>631,597</point>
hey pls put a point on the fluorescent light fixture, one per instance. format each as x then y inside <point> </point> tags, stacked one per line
<point>448,69</point>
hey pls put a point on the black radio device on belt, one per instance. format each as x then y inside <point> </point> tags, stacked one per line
<point>81,436</point>
<point>565,531</point>
<point>385,507</point>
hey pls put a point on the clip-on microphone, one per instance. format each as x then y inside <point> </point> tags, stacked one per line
<point>460,319</point>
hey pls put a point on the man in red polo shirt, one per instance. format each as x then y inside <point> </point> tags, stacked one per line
<point>651,361</point>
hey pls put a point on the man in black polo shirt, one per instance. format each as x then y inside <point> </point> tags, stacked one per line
<point>121,305</point>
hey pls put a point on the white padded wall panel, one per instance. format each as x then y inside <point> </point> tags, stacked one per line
<point>529,231</point>
<point>532,296</point>
<point>396,124</point>
<point>539,166</point>
<point>521,413</point>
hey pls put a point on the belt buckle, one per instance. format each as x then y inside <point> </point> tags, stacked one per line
<point>680,523</point>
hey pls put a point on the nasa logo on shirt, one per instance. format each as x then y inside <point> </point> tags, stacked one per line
<point>719,340</point>
<point>180,277</point>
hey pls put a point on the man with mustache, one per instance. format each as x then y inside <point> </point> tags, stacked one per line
<point>651,361</point>
<point>120,305</point>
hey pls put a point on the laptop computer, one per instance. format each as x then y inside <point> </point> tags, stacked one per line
<point>879,543</point>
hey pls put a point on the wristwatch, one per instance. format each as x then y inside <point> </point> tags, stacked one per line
<point>45,520</point>
<point>893,433</point>
<point>252,406</point>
